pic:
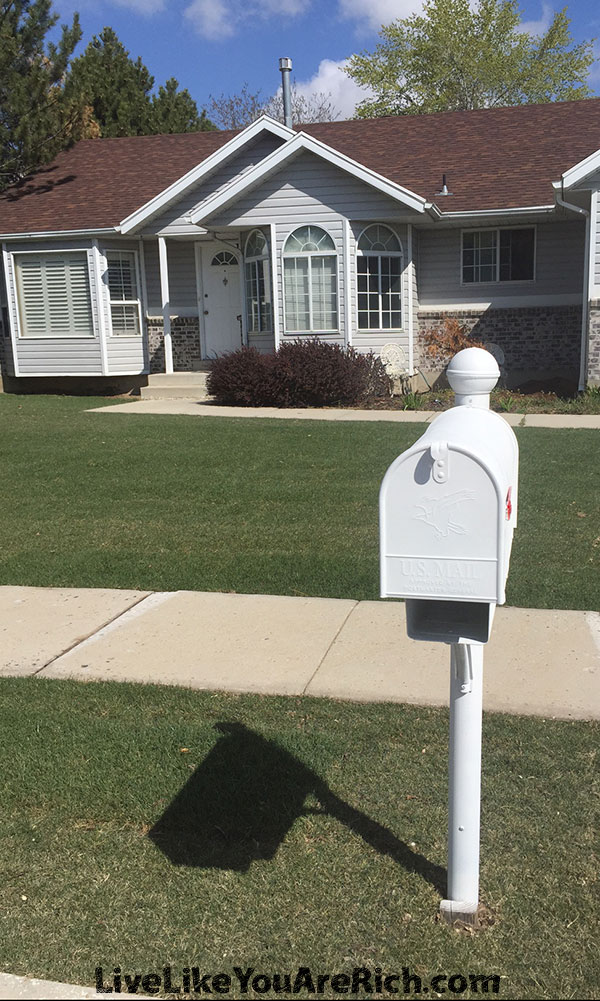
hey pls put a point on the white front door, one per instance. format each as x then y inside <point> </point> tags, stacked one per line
<point>221,300</point>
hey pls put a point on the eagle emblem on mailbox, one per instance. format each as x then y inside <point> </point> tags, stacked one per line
<point>441,513</point>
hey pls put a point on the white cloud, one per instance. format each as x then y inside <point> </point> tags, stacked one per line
<point>331,79</point>
<point>211,19</point>
<point>218,19</point>
<point>540,26</point>
<point>147,7</point>
<point>594,76</point>
<point>289,7</point>
<point>373,13</point>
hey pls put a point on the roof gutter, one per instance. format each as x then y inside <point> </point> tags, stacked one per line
<point>486,213</point>
<point>64,233</point>
<point>586,281</point>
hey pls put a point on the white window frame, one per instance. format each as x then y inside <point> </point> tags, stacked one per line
<point>264,259</point>
<point>308,254</point>
<point>17,299</point>
<point>105,251</point>
<point>496,281</point>
<point>380,253</point>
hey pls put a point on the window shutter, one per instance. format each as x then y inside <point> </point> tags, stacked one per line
<point>54,296</point>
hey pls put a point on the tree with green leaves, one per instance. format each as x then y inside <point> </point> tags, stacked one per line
<point>175,110</point>
<point>36,120</point>
<point>456,56</point>
<point>119,91</point>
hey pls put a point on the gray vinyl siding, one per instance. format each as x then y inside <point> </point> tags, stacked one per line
<point>182,277</point>
<point>559,268</point>
<point>306,191</point>
<point>61,355</point>
<point>595,292</point>
<point>126,355</point>
<point>265,343</point>
<point>6,351</point>
<point>172,220</point>
<point>416,238</point>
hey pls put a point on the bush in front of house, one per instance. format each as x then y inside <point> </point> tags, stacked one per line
<point>242,378</point>
<point>303,373</point>
<point>443,340</point>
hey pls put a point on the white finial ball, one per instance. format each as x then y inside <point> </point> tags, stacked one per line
<point>473,372</point>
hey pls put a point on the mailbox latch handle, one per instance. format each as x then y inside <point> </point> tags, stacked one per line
<point>439,454</point>
<point>463,667</point>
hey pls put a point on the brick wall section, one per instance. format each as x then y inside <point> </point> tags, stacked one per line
<point>185,337</point>
<point>4,348</point>
<point>593,365</point>
<point>6,363</point>
<point>538,339</point>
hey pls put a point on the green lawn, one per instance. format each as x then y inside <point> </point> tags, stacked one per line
<point>284,507</point>
<point>146,825</point>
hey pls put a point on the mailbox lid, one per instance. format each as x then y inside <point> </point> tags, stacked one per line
<point>450,539</point>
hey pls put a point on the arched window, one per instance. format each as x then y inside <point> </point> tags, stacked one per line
<point>379,279</point>
<point>310,281</point>
<point>257,273</point>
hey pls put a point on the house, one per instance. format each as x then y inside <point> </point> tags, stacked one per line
<point>131,256</point>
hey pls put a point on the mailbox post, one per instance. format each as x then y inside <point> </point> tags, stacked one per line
<point>448,510</point>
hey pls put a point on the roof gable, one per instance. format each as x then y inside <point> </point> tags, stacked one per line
<point>174,192</point>
<point>273,163</point>
<point>306,187</point>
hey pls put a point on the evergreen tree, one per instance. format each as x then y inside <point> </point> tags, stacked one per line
<point>119,92</point>
<point>36,120</point>
<point>115,87</point>
<point>176,111</point>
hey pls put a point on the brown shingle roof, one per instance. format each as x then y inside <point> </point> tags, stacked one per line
<point>99,182</point>
<point>493,158</point>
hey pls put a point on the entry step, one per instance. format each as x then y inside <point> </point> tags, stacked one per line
<point>178,385</point>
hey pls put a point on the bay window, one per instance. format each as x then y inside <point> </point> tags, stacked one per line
<point>379,279</point>
<point>123,293</point>
<point>257,274</point>
<point>310,281</point>
<point>53,292</point>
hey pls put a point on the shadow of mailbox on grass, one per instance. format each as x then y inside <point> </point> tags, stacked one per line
<point>243,799</point>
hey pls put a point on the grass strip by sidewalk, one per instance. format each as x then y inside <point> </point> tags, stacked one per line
<point>146,825</point>
<point>256,506</point>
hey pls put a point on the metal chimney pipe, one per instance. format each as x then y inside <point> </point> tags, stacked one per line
<point>285,65</point>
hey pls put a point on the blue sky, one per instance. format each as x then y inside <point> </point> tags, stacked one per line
<point>215,46</point>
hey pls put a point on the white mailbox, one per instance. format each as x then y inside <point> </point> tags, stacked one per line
<point>448,509</point>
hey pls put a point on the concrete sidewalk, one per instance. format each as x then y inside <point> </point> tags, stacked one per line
<point>538,661</point>
<point>15,988</point>
<point>193,409</point>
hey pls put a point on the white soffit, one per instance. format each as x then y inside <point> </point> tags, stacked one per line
<point>300,143</point>
<point>161,201</point>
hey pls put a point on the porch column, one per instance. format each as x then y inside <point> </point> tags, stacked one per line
<point>165,302</point>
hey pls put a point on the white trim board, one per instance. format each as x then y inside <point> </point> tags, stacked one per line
<point>170,194</point>
<point>503,302</point>
<point>271,163</point>
<point>60,233</point>
<point>581,170</point>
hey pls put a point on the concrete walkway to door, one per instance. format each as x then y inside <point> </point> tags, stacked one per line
<point>191,408</point>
